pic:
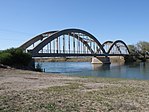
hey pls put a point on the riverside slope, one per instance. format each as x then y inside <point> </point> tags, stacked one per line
<point>22,90</point>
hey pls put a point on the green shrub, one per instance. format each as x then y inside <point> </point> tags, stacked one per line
<point>6,58</point>
<point>15,57</point>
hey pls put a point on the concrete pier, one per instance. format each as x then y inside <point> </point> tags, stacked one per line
<point>101,60</point>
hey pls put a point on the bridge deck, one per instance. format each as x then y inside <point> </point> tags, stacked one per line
<point>68,55</point>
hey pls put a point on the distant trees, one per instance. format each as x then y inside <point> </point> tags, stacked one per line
<point>143,47</point>
<point>140,49</point>
<point>132,49</point>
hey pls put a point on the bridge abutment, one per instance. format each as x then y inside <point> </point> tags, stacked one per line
<point>108,59</point>
<point>117,59</point>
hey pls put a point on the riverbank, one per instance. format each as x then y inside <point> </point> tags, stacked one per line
<point>63,59</point>
<point>22,90</point>
<point>113,59</point>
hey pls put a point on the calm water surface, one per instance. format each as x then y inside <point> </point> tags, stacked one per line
<point>130,71</point>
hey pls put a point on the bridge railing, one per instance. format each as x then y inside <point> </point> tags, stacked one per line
<point>65,51</point>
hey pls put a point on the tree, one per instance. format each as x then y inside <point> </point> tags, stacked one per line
<point>140,50</point>
<point>143,46</point>
<point>133,50</point>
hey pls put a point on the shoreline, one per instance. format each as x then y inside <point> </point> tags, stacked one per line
<point>75,59</point>
<point>22,90</point>
<point>114,59</point>
<point>63,59</point>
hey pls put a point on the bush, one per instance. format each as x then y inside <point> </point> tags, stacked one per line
<point>15,57</point>
<point>6,58</point>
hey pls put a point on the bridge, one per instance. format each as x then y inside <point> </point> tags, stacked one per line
<point>72,42</point>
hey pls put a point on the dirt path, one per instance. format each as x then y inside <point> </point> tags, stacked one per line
<point>12,79</point>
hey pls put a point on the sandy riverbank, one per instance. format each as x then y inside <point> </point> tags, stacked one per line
<point>32,91</point>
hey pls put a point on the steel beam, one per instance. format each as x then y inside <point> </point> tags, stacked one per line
<point>63,43</point>
<point>72,54</point>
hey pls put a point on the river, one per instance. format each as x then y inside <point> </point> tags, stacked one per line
<point>129,71</point>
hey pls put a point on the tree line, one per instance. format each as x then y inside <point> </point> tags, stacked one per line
<point>140,50</point>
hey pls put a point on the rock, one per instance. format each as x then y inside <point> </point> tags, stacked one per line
<point>4,66</point>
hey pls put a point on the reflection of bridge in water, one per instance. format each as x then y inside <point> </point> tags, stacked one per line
<point>72,42</point>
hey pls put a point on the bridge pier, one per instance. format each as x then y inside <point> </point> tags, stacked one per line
<point>101,60</point>
<point>112,59</point>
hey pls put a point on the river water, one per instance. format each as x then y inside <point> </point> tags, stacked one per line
<point>130,71</point>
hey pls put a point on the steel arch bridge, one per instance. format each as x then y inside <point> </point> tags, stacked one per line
<point>72,42</point>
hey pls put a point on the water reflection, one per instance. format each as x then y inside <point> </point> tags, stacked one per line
<point>133,65</point>
<point>144,68</point>
<point>101,66</point>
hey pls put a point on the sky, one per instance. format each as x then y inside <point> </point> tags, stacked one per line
<point>21,20</point>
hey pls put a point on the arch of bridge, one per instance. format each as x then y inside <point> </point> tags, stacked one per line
<point>65,32</point>
<point>56,34</point>
<point>110,42</point>
<point>118,41</point>
<point>35,39</point>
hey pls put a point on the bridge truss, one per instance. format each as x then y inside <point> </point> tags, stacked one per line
<point>72,42</point>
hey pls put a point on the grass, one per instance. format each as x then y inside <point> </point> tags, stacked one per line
<point>68,87</point>
<point>86,94</point>
<point>69,98</point>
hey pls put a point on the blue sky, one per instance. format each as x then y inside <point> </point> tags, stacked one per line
<point>21,20</point>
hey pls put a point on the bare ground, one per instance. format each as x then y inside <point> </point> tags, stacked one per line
<point>40,92</point>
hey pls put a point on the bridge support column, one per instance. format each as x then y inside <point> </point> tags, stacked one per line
<point>101,60</point>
